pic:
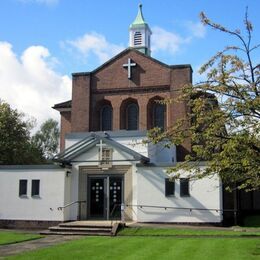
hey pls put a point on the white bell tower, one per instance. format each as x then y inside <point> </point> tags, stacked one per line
<point>140,34</point>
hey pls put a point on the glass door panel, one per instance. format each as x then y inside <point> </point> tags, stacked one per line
<point>115,197</point>
<point>97,198</point>
<point>105,195</point>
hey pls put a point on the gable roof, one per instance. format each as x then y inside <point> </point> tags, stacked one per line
<point>66,106</point>
<point>125,51</point>
<point>67,156</point>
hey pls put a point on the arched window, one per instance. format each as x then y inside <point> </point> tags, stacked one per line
<point>137,38</point>
<point>132,116</point>
<point>158,115</point>
<point>106,118</point>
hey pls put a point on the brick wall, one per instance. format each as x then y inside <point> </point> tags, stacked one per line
<point>146,73</point>
<point>80,107</point>
<point>117,103</point>
<point>65,126</point>
<point>179,78</point>
<point>109,84</point>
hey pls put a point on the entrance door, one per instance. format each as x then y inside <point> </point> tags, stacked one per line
<point>115,197</point>
<point>105,195</point>
<point>97,198</point>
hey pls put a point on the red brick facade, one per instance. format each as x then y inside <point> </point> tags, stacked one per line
<point>65,127</point>
<point>109,84</point>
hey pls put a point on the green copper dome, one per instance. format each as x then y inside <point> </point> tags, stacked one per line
<point>139,20</point>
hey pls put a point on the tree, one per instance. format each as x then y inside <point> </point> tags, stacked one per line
<point>47,138</point>
<point>15,143</point>
<point>224,118</point>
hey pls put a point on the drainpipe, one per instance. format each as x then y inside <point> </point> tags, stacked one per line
<point>123,213</point>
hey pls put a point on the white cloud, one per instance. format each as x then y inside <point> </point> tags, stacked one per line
<point>197,30</point>
<point>171,42</point>
<point>29,82</point>
<point>96,44</point>
<point>45,2</point>
<point>163,40</point>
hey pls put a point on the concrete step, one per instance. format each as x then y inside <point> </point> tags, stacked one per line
<point>72,225</point>
<point>80,229</point>
<point>71,233</point>
<point>84,228</point>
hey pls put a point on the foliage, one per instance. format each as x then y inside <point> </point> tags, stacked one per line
<point>15,143</point>
<point>47,138</point>
<point>223,123</point>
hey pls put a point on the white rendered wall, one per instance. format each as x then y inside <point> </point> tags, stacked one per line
<point>205,193</point>
<point>135,192</point>
<point>72,211</point>
<point>157,153</point>
<point>134,143</point>
<point>43,207</point>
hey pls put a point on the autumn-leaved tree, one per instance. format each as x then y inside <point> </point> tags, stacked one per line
<point>224,114</point>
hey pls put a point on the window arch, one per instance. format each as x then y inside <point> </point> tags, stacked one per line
<point>158,115</point>
<point>106,113</point>
<point>156,112</point>
<point>129,114</point>
<point>132,116</point>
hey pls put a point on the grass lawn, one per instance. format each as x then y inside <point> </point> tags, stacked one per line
<point>142,231</point>
<point>150,248</point>
<point>7,237</point>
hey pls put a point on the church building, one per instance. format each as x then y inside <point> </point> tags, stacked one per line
<point>106,169</point>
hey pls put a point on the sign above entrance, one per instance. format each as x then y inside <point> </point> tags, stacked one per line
<point>129,66</point>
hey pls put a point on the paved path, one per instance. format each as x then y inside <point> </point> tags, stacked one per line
<point>13,249</point>
<point>193,227</point>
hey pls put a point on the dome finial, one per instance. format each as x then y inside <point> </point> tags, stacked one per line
<point>139,18</point>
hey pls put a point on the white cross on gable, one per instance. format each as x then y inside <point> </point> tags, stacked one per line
<point>129,65</point>
<point>101,145</point>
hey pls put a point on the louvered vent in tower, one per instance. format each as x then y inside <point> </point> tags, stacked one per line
<point>137,38</point>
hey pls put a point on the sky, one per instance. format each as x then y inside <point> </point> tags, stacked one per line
<point>43,41</point>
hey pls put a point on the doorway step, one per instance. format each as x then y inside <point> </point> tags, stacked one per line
<point>84,228</point>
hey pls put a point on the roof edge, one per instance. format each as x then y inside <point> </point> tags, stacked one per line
<point>179,66</point>
<point>30,167</point>
<point>83,145</point>
<point>112,134</point>
<point>75,74</point>
<point>63,105</point>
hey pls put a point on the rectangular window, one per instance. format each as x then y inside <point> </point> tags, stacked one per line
<point>184,187</point>
<point>35,187</point>
<point>169,187</point>
<point>22,187</point>
<point>106,159</point>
